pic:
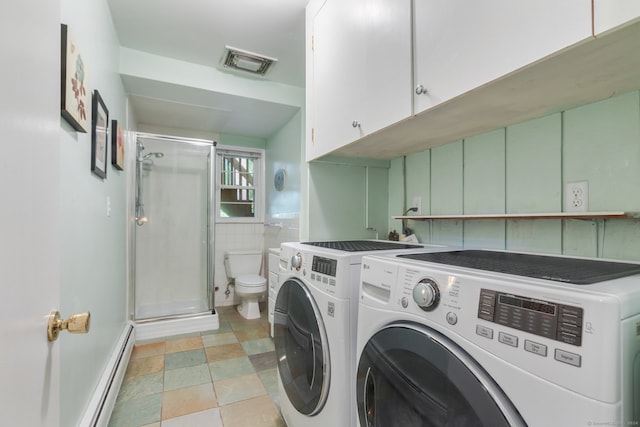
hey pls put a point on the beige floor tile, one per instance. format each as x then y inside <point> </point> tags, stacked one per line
<point>238,388</point>
<point>223,352</point>
<point>188,400</point>
<point>208,418</point>
<point>231,315</point>
<point>254,325</point>
<point>147,350</point>
<point>252,334</point>
<point>145,366</point>
<point>219,339</point>
<point>256,412</point>
<point>183,344</point>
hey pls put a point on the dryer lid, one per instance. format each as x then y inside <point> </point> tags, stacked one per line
<point>578,271</point>
<point>361,245</point>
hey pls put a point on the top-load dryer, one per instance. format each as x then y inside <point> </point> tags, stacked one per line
<point>315,320</point>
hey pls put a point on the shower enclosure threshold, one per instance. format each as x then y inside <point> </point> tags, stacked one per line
<point>161,327</point>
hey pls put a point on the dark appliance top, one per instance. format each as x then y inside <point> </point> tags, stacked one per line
<point>361,245</point>
<point>568,270</point>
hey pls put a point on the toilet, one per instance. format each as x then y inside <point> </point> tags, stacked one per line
<point>244,268</point>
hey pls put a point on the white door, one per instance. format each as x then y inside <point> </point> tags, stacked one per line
<point>29,226</point>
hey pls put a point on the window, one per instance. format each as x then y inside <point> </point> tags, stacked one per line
<point>239,185</point>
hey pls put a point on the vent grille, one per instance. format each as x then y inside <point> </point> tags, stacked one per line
<point>238,59</point>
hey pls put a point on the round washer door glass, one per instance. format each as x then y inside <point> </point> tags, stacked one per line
<point>412,376</point>
<point>301,347</point>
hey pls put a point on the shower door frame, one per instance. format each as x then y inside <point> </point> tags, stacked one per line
<point>210,223</point>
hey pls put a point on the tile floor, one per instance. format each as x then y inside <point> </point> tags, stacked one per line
<point>222,378</point>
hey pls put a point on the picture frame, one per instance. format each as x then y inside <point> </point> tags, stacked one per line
<point>117,146</point>
<point>99,136</point>
<point>74,92</point>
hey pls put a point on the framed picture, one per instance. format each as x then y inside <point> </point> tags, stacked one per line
<point>99,136</point>
<point>74,96</point>
<point>117,146</point>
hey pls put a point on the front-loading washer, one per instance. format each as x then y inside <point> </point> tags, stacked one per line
<point>315,323</point>
<point>496,338</point>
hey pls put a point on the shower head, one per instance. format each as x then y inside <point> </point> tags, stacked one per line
<point>156,154</point>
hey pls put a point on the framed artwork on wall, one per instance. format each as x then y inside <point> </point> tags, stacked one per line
<point>74,95</point>
<point>117,146</point>
<point>99,136</point>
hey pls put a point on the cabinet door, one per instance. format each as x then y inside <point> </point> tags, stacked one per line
<point>460,45</point>
<point>338,59</point>
<point>387,74</point>
<point>609,14</point>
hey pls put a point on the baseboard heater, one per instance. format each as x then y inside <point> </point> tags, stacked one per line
<point>104,398</point>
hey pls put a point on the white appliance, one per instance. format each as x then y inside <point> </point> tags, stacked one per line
<point>315,323</point>
<point>497,339</point>
<point>273,263</point>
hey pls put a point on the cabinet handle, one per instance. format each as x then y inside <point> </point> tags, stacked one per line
<point>420,90</point>
<point>355,124</point>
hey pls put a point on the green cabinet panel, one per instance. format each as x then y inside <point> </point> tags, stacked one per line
<point>534,166</point>
<point>446,179</point>
<point>484,173</point>
<point>602,146</point>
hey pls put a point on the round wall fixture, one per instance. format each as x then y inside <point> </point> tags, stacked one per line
<point>279,179</point>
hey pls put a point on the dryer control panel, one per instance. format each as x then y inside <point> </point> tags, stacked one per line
<point>550,320</point>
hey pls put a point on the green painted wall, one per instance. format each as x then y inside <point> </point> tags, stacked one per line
<point>242,141</point>
<point>93,242</point>
<point>524,168</point>
<point>284,152</point>
<point>348,199</point>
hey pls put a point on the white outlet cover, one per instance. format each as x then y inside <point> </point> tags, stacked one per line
<point>576,196</point>
<point>417,203</point>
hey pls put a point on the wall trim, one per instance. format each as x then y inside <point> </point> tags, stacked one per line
<point>104,397</point>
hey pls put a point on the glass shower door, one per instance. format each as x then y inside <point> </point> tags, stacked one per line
<point>172,250</point>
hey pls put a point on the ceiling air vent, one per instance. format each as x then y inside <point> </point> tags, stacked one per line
<point>254,63</point>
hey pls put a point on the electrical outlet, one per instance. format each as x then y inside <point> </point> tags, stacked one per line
<point>417,203</point>
<point>576,198</point>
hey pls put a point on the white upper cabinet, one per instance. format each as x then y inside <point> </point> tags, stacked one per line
<point>608,14</point>
<point>387,73</point>
<point>358,70</point>
<point>460,45</point>
<point>336,84</point>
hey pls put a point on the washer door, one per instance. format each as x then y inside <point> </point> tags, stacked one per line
<point>412,376</point>
<point>301,347</point>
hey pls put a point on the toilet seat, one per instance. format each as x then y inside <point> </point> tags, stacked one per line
<point>251,280</point>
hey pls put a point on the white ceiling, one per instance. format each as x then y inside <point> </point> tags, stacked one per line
<point>197,31</point>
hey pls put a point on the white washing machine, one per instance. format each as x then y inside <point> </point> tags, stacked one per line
<point>488,338</point>
<point>315,323</point>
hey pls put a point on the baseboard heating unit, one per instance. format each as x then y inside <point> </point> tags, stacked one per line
<point>101,404</point>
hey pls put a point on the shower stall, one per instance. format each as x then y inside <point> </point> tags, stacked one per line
<point>174,235</point>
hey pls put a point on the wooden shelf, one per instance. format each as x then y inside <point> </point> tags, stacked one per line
<point>553,215</point>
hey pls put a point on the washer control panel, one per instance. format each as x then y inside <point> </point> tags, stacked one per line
<point>324,265</point>
<point>546,319</point>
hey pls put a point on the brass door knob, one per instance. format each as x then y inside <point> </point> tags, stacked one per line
<point>75,324</point>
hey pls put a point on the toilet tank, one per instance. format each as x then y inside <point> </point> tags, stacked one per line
<point>237,263</point>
